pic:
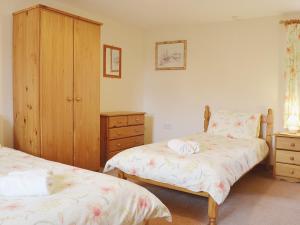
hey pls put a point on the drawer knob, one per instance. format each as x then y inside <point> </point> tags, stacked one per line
<point>292,158</point>
<point>118,134</point>
<point>292,172</point>
<point>119,122</point>
<point>137,119</point>
<point>119,144</point>
<point>293,144</point>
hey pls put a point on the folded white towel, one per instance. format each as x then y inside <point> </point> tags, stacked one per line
<point>184,147</point>
<point>25,183</point>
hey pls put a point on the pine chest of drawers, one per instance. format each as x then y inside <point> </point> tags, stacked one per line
<point>120,131</point>
<point>287,157</point>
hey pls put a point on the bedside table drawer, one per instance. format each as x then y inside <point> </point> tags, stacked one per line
<point>288,157</point>
<point>112,154</point>
<point>117,121</point>
<point>123,132</point>
<point>287,170</point>
<point>125,143</point>
<point>288,143</point>
<point>135,119</point>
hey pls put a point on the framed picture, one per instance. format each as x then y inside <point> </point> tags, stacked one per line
<point>170,55</point>
<point>115,60</point>
<point>112,61</point>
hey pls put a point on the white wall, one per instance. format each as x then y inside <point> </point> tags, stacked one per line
<point>231,65</point>
<point>124,94</point>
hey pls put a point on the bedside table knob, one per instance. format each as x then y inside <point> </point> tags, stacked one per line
<point>119,144</point>
<point>292,158</point>
<point>293,144</point>
<point>291,171</point>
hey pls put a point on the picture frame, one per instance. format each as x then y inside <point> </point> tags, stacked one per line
<point>112,61</point>
<point>171,55</point>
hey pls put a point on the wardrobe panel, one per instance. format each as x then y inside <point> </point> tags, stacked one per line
<point>86,95</point>
<point>56,86</point>
<point>26,81</point>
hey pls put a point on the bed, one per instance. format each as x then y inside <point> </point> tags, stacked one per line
<point>210,173</point>
<point>80,197</point>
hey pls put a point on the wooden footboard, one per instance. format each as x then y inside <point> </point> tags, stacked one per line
<point>212,205</point>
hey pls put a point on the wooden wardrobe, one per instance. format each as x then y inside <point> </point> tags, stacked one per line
<point>56,82</point>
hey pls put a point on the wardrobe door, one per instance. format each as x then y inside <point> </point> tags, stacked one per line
<point>26,81</point>
<point>56,87</point>
<point>86,95</point>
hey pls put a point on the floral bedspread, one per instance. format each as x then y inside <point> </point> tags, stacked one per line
<point>80,197</point>
<point>219,164</point>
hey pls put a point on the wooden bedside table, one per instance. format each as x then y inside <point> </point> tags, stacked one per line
<point>120,131</point>
<point>287,157</point>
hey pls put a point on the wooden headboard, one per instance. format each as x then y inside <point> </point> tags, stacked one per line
<point>268,120</point>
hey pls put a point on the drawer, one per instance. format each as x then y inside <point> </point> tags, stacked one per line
<point>135,119</point>
<point>288,143</point>
<point>287,170</point>
<point>117,121</point>
<point>288,157</point>
<point>125,143</point>
<point>123,132</point>
<point>111,154</point>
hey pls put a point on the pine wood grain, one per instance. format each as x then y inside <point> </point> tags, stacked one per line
<point>56,88</point>
<point>45,83</point>
<point>119,132</point>
<point>123,132</point>
<point>86,95</point>
<point>26,82</point>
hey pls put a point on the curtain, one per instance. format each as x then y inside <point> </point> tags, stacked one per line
<point>292,73</point>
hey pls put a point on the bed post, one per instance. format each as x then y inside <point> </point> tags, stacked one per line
<point>212,211</point>
<point>121,174</point>
<point>206,117</point>
<point>269,135</point>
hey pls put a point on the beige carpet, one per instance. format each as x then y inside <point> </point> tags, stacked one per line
<point>257,199</point>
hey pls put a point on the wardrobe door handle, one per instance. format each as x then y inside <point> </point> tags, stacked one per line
<point>78,99</point>
<point>69,99</point>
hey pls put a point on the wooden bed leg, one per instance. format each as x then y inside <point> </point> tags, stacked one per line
<point>121,174</point>
<point>212,211</point>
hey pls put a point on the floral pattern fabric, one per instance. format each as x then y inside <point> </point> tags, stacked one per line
<point>219,164</point>
<point>292,73</point>
<point>81,197</point>
<point>234,124</point>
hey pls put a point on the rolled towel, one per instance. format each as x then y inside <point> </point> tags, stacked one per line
<point>25,183</point>
<point>184,147</point>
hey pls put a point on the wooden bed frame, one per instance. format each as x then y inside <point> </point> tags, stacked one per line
<point>212,205</point>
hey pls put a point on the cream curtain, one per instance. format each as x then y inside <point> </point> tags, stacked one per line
<point>292,73</point>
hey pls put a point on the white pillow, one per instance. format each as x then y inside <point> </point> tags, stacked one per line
<point>234,124</point>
